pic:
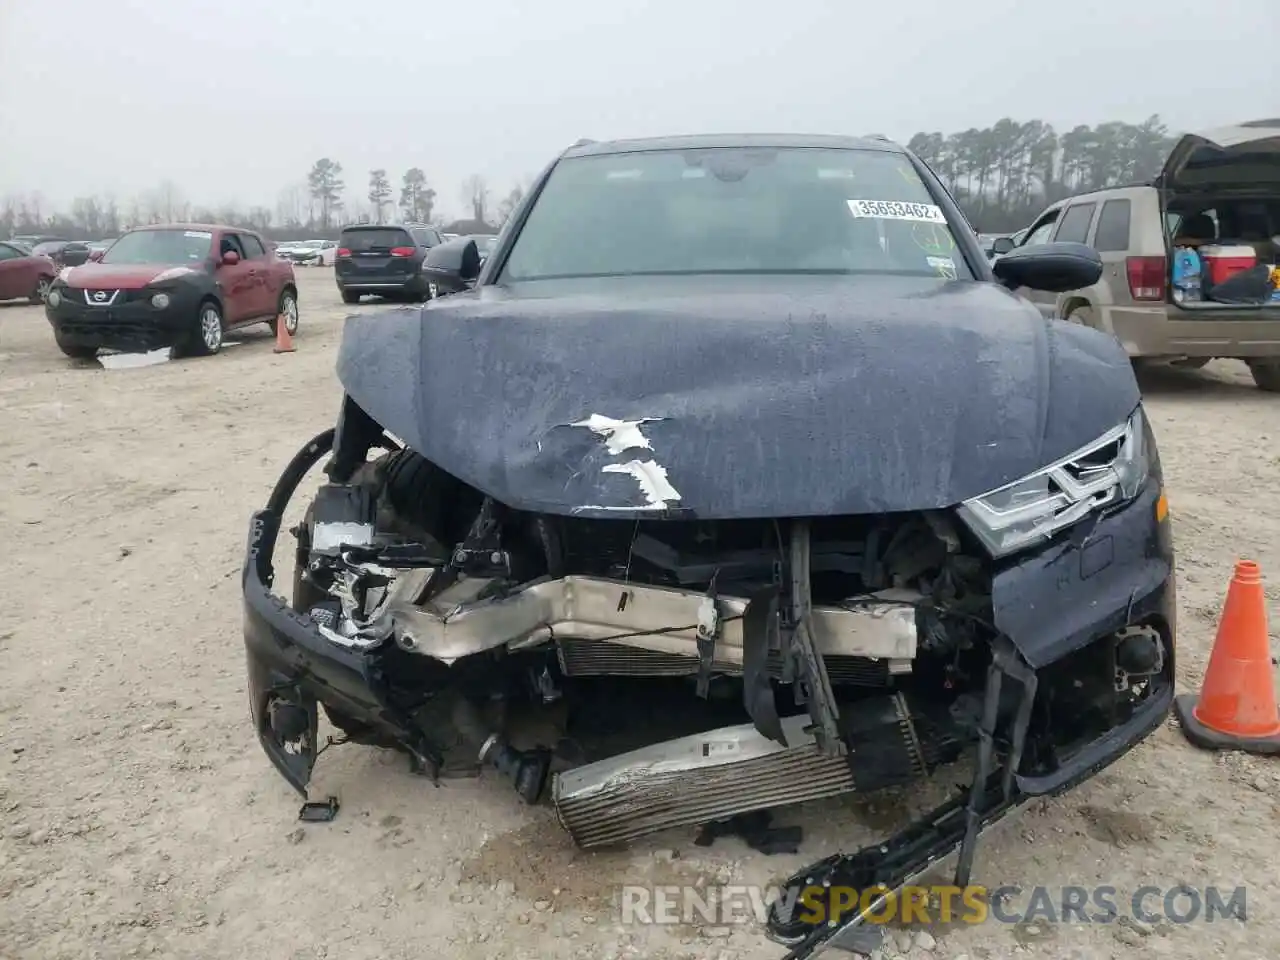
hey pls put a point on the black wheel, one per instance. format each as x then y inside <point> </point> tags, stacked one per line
<point>288,308</point>
<point>75,351</point>
<point>206,336</point>
<point>41,292</point>
<point>1266,374</point>
<point>350,296</point>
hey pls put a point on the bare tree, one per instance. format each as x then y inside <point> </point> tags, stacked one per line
<point>110,216</point>
<point>8,216</point>
<point>290,205</point>
<point>165,204</point>
<point>507,205</point>
<point>259,218</point>
<point>35,208</point>
<point>134,215</point>
<point>475,194</point>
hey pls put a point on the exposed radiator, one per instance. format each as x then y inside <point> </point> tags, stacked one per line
<point>694,780</point>
<point>590,658</point>
<point>715,775</point>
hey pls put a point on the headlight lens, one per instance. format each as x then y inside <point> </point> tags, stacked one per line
<point>160,301</point>
<point>53,298</point>
<point>1107,472</point>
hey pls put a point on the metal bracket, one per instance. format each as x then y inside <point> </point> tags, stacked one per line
<point>815,686</point>
<point>472,547</point>
<point>954,826</point>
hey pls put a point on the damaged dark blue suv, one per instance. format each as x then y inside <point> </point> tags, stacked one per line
<point>734,478</point>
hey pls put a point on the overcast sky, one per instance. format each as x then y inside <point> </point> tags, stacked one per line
<point>233,100</point>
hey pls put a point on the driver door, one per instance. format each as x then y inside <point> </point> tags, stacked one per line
<point>1040,232</point>
<point>267,281</point>
<point>236,282</point>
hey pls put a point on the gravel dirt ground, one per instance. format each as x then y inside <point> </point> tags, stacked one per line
<point>138,816</point>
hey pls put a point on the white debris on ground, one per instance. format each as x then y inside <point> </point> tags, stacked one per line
<point>139,818</point>
<point>113,360</point>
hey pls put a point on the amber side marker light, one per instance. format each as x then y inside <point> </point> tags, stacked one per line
<point>1162,508</point>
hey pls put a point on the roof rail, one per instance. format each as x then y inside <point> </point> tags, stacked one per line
<point>584,141</point>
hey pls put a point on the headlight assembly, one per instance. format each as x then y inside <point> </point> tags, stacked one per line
<point>1105,473</point>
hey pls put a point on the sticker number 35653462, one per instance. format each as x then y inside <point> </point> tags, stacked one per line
<point>897,210</point>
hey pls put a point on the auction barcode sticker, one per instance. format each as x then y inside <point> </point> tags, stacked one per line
<point>897,210</point>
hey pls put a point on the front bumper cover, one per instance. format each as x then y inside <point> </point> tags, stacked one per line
<point>128,322</point>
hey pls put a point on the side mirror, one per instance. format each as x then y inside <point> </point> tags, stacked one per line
<point>230,258</point>
<point>1049,267</point>
<point>1002,245</point>
<point>96,255</point>
<point>453,265</point>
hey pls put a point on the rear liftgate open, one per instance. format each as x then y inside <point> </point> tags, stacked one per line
<point>888,866</point>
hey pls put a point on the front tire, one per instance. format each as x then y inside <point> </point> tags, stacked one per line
<point>206,338</point>
<point>41,292</point>
<point>349,296</point>
<point>1266,375</point>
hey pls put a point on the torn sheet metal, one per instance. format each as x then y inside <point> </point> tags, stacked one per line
<point>619,435</point>
<point>464,619</point>
<point>652,478</point>
<point>759,396</point>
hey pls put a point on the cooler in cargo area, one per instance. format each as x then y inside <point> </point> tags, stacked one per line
<point>1222,261</point>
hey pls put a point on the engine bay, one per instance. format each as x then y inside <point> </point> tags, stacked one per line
<point>744,664</point>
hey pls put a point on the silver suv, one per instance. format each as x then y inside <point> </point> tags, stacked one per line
<point>1218,187</point>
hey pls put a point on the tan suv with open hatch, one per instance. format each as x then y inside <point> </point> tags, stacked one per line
<point>1189,260</point>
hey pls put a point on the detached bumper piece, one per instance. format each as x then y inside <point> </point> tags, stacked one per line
<point>997,791</point>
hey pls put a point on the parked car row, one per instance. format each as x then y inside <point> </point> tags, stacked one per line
<point>308,253</point>
<point>390,260</point>
<point>24,274</point>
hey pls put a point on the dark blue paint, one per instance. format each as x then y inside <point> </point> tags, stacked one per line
<point>1048,603</point>
<point>780,396</point>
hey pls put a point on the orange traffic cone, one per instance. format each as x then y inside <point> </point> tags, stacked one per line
<point>1236,709</point>
<point>284,341</point>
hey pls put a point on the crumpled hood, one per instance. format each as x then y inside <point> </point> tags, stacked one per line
<point>106,276</point>
<point>755,398</point>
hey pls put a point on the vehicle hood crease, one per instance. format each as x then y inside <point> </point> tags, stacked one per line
<point>823,398</point>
